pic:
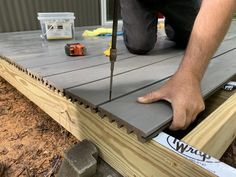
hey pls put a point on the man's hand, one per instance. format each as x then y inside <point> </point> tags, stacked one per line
<point>183,92</point>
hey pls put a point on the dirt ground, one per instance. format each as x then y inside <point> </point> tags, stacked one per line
<point>32,144</point>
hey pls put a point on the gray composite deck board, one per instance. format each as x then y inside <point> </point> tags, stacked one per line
<point>74,65</point>
<point>77,78</point>
<point>18,45</point>
<point>97,93</point>
<point>232,28</point>
<point>23,51</point>
<point>84,76</point>
<point>43,61</point>
<point>94,49</point>
<point>145,120</point>
<point>92,52</point>
<point>26,48</point>
<point>48,67</point>
<point>42,55</point>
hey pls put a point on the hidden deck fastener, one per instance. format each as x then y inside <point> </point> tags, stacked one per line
<point>80,161</point>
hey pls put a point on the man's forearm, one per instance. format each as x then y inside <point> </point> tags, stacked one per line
<point>209,29</point>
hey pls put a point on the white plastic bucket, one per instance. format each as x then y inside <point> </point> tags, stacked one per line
<point>57,25</point>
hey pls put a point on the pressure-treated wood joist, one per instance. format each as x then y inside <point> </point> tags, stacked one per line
<point>217,131</point>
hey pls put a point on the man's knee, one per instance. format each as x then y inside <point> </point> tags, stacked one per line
<point>140,44</point>
<point>179,36</point>
<point>179,22</point>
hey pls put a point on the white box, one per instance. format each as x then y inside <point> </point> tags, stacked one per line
<point>57,25</point>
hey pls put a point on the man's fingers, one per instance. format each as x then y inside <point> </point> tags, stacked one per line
<point>179,118</point>
<point>189,120</point>
<point>194,117</point>
<point>150,97</point>
<point>184,115</point>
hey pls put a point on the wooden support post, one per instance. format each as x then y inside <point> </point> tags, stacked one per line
<point>122,151</point>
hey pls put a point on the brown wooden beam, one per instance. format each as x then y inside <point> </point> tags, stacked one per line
<point>214,135</point>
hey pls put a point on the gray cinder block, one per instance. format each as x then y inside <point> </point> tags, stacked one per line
<point>80,161</point>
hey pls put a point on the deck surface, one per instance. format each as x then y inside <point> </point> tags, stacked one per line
<point>86,79</point>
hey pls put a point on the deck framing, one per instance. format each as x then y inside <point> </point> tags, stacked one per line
<point>121,150</point>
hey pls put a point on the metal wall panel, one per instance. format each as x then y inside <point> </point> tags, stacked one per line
<point>21,15</point>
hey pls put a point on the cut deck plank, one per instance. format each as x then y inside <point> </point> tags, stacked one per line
<point>147,120</point>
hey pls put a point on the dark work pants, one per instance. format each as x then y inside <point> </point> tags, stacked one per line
<point>140,22</point>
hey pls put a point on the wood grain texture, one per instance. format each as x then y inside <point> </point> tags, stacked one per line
<point>217,131</point>
<point>120,150</point>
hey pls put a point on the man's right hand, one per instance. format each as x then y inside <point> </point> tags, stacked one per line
<point>184,94</point>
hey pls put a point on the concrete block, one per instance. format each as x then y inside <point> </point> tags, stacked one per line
<point>80,161</point>
<point>105,170</point>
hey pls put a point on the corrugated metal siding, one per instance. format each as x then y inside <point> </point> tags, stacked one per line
<point>21,15</point>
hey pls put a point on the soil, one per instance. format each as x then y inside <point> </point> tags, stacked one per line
<point>32,143</point>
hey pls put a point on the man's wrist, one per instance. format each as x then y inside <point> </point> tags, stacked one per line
<point>190,73</point>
